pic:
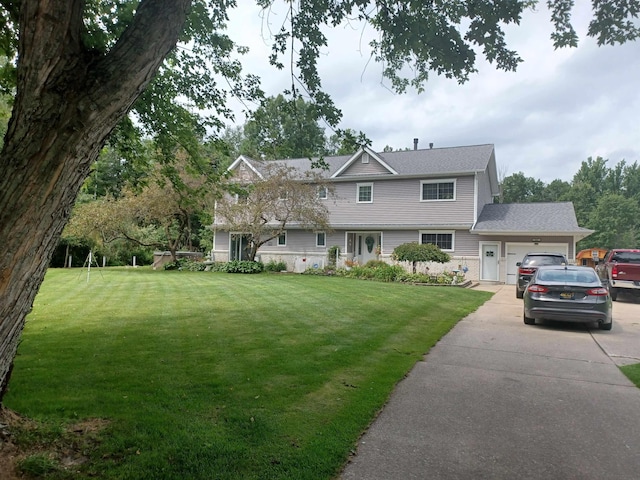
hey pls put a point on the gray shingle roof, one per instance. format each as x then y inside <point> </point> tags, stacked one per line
<point>537,218</point>
<point>431,161</point>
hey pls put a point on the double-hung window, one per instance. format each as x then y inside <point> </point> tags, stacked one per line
<point>282,239</point>
<point>365,193</point>
<point>322,193</point>
<point>321,239</point>
<point>434,190</point>
<point>443,240</point>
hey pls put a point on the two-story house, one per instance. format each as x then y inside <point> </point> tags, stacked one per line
<point>438,195</point>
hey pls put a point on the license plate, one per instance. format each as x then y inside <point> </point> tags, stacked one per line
<point>566,295</point>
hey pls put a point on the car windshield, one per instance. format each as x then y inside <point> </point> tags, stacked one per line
<point>567,276</point>
<point>543,260</point>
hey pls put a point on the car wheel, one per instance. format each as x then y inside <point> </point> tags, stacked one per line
<point>614,293</point>
<point>528,321</point>
<point>605,326</point>
<point>519,294</point>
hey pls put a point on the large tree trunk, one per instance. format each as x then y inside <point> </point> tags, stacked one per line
<point>68,100</point>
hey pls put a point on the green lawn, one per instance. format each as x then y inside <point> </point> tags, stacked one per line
<point>219,376</point>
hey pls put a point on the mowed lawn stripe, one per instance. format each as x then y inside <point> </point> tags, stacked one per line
<point>211,375</point>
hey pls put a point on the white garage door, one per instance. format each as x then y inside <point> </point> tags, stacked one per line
<point>517,251</point>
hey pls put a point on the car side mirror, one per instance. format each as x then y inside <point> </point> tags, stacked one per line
<point>518,264</point>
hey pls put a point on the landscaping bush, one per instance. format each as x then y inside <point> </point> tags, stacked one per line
<point>380,271</point>
<point>242,266</point>
<point>185,264</point>
<point>334,253</point>
<point>376,263</point>
<point>274,266</point>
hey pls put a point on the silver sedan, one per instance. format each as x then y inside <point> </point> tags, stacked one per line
<point>567,294</point>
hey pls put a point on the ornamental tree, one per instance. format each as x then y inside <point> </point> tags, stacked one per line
<point>283,198</point>
<point>419,252</point>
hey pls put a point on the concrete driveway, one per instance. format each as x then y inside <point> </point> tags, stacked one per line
<point>497,399</point>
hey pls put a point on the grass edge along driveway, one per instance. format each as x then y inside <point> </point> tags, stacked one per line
<point>205,375</point>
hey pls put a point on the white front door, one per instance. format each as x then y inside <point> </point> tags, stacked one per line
<point>489,258</point>
<point>366,246</point>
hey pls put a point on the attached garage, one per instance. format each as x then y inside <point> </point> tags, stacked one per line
<point>528,227</point>
<point>515,252</point>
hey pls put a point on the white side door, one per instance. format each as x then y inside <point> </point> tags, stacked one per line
<point>489,261</point>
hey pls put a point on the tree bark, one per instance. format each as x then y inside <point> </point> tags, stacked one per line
<point>68,100</point>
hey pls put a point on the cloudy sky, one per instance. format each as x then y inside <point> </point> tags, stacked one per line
<point>558,109</point>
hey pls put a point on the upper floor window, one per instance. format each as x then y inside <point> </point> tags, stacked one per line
<point>321,239</point>
<point>322,193</point>
<point>437,190</point>
<point>443,240</point>
<point>365,193</point>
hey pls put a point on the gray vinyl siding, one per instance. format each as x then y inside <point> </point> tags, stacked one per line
<point>373,167</point>
<point>300,241</point>
<point>398,202</point>
<point>221,240</point>
<point>467,244</point>
<point>484,191</point>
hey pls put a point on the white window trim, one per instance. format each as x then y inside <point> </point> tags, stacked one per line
<point>325,239</point>
<point>368,184</point>
<point>278,244</point>
<point>323,193</point>
<point>440,180</point>
<point>451,232</point>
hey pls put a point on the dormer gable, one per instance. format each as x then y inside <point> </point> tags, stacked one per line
<point>244,170</point>
<point>364,162</point>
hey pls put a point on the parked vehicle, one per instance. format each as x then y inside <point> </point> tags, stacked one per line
<point>530,263</point>
<point>620,271</point>
<point>567,293</point>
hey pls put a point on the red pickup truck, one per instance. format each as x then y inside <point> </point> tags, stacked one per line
<point>620,270</point>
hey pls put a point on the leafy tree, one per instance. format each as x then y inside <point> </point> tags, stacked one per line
<point>556,191</point>
<point>595,173</point>
<point>77,67</point>
<point>283,128</point>
<point>616,220</point>
<point>517,188</point>
<point>419,252</point>
<point>583,197</point>
<point>631,181</point>
<point>165,214</point>
<point>346,142</point>
<point>285,197</point>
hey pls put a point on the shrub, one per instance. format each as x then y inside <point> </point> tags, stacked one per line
<point>419,252</point>
<point>274,266</point>
<point>376,263</point>
<point>333,253</point>
<point>185,264</point>
<point>381,271</point>
<point>242,266</point>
